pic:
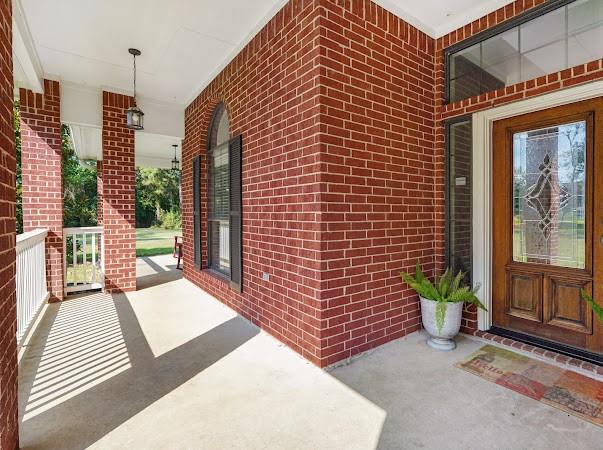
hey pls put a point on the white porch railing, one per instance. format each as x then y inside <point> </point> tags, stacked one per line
<point>83,248</point>
<point>32,292</point>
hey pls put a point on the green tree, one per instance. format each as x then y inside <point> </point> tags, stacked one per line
<point>79,186</point>
<point>157,192</point>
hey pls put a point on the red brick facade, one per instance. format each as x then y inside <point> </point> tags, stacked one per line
<point>9,437</point>
<point>377,183</point>
<point>41,159</point>
<point>118,195</point>
<point>340,104</point>
<point>335,104</point>
<point>271,91</point>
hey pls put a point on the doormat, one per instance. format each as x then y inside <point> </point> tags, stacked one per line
<point>568,391</point>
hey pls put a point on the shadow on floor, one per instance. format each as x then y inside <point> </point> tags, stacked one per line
<point>104,372</point>
<point>153,274</point>
<point>430,403</point>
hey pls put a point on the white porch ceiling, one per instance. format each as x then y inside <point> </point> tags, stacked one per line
<point>184,43</point>
<point>151,150</point>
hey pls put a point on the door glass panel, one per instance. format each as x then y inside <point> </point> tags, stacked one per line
<point>549,195</point>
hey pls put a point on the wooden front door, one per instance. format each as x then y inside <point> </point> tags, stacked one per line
<point>548,224</point>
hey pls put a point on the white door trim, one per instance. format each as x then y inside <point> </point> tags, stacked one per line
<point>482,179</point>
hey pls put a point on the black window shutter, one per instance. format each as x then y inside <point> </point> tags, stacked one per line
<point>197,211</point>
<point>235,149</point>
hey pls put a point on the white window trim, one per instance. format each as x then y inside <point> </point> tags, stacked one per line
<point>482,179</point>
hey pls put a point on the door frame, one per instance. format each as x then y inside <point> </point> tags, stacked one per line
<point>482,123</point>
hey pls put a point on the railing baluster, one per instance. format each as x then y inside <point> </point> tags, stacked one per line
<point>85,259</point>
<point>31,278</point>
<point>74,259</point>
<point>93,258</point>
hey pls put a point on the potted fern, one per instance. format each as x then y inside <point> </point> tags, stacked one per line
<point>598,310</point>
<point>442,305</point>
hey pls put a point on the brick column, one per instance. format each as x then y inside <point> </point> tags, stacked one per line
<point>42,178</point>
<point>9,436</point>
<point>119,206</point>
<point>99,192</point>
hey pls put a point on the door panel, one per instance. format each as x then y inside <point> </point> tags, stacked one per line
<point>566,308</point>
<point>525,294</point>
<point>548,220</point>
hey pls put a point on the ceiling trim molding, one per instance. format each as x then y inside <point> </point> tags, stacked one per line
<point>24,50</point>
<point>237,49</point>
<point>460,20</point>
<point>407,17</point>
<point>457,20</point>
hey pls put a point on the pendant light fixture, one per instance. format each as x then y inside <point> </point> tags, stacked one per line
<point>134,115</point>
<point>175,162</point>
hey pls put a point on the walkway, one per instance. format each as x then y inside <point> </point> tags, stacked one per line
<point>171,367</point>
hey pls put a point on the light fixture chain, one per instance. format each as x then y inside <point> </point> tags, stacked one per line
<point>134,79</point>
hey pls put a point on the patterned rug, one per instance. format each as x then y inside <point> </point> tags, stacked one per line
<point>569,391</point>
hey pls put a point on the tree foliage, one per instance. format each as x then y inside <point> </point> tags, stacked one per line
<point>157,193</point>
<point>79,186</point>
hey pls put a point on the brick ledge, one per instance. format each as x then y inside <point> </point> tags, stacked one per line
<point>557,359</point>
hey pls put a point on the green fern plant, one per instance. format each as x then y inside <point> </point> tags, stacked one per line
<point>445,289</point>
<point>598,310</point>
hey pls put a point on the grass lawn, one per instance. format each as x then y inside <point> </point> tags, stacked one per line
<point>155,241</point>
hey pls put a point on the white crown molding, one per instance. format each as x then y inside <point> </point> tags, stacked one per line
<point>403,14</point>
<point>24,50</point>
<point>456,21</point>
<point>237,49</point>
<point>460,20</point>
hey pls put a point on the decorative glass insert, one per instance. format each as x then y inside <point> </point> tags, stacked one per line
<point>559,39</point>
<point>549,182</point>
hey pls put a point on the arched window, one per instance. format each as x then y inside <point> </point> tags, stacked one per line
<point>218,176</point>
<point>224,201</point>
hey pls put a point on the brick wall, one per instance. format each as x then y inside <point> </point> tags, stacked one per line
<point>119,184</point>
<point>552,82</point>
<point>340,105</point>
<point>9,437</point>
<point>335,103</point>
<point>377,193</point>
<point>41,161</point>
<point>271,92</point>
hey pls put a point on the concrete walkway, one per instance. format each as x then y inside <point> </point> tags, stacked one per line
<point>169,367</point>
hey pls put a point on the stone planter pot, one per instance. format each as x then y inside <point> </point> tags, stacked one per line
<point>452,324</point>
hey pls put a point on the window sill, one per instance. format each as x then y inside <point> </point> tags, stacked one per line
<point>217,275</point>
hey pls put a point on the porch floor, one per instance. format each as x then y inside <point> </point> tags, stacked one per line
<point>170,367</point>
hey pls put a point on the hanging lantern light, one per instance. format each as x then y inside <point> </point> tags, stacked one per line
<point>134,115</point>
<point>175,162</point>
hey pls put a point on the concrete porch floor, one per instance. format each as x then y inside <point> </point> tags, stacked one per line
<point>170,367</point>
